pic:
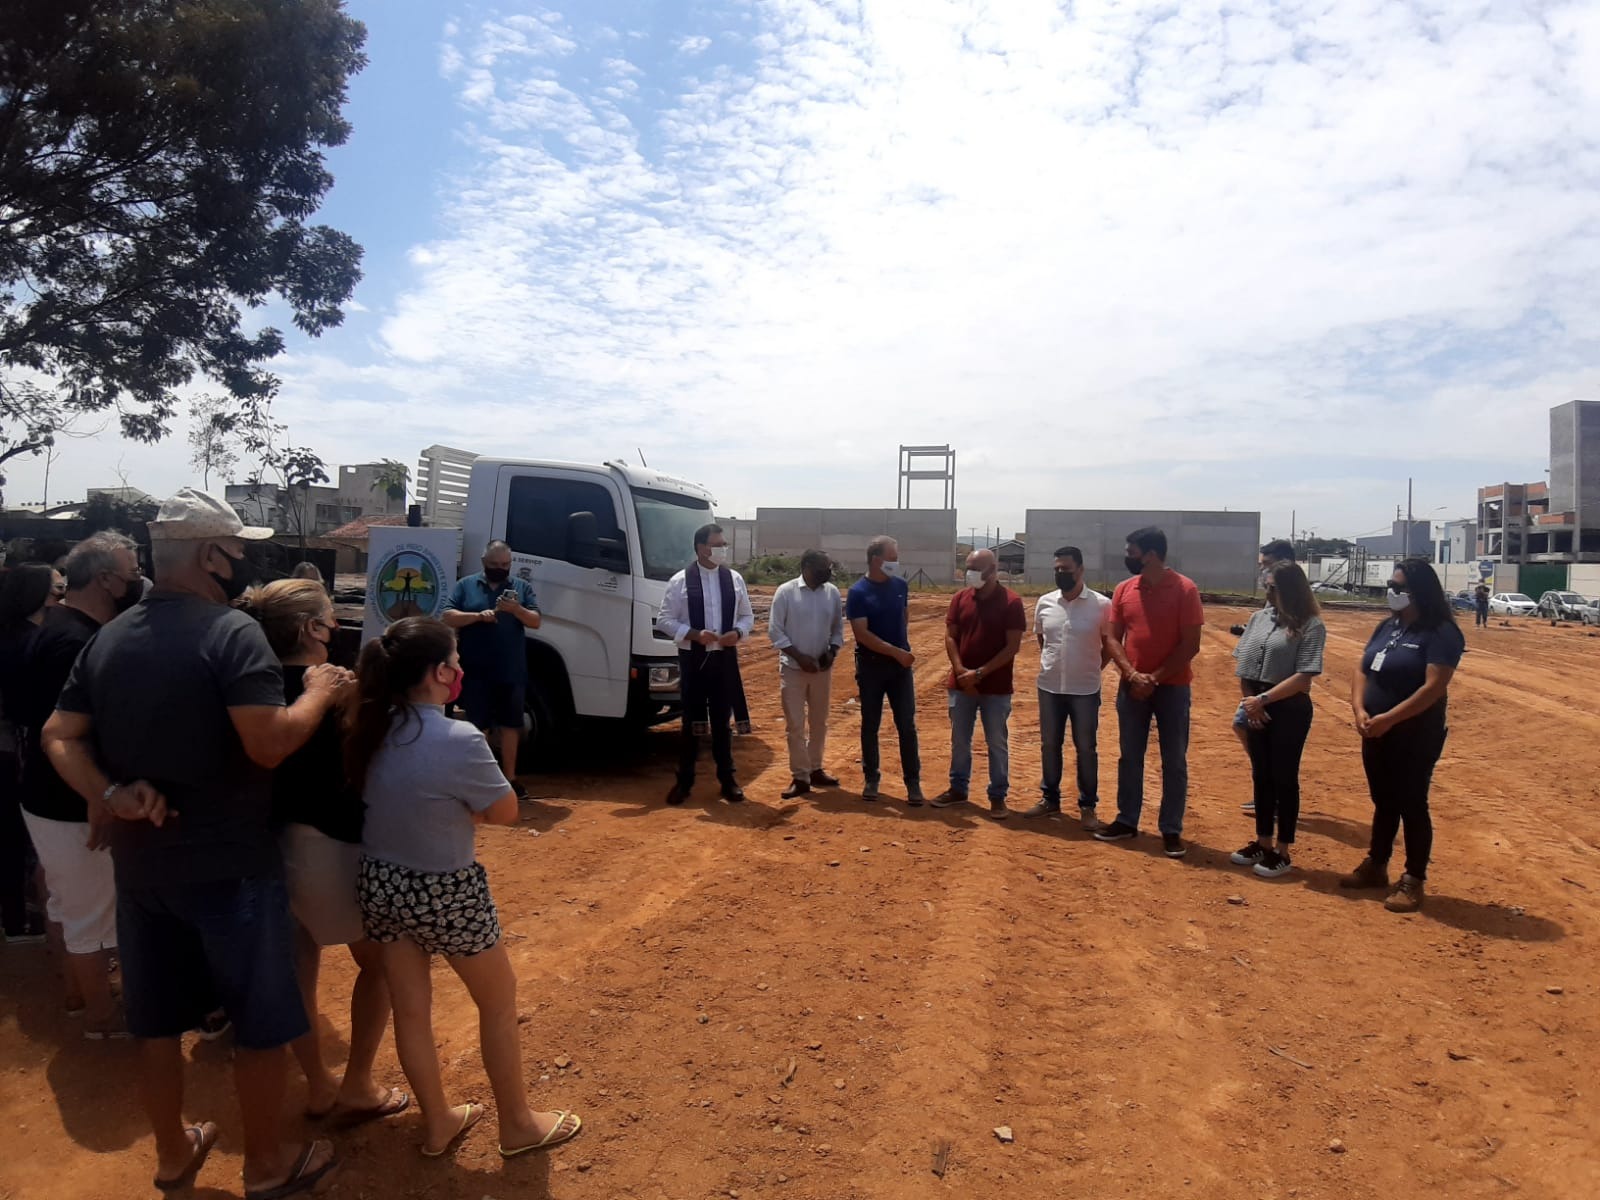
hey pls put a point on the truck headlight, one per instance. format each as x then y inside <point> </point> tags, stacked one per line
<point>664,679</point>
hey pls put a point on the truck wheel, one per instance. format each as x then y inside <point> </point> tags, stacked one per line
<point>544,731</point>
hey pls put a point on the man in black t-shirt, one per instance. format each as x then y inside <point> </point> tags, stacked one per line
<point>168,727</point>
<point>103,580</point>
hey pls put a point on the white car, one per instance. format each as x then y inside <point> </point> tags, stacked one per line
<point>1512,604</point>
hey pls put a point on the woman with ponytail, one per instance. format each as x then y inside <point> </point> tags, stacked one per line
<point>427,782</point>
<point>319,821</point>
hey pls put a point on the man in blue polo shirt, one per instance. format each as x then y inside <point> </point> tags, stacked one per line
<point>489,611</point>
<point>877,608</point>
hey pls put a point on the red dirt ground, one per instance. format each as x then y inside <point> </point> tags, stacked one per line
<point>933,975</point>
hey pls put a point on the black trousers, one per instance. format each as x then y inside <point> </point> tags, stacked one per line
<point>1275,752</point>
<point>1399,769</point>
<point>710,683</point>
<point>17,861</point>
<point>1483,615</point>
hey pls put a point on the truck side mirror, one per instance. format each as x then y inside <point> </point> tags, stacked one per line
<point>586,548</point>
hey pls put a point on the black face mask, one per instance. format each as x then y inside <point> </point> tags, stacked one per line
<point>1134,565</point>
<point>132,593</point>
<point>237,584</point>
<point>1066,580</point>
<point>496,577</point>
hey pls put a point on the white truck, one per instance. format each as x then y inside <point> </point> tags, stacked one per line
<point>598,543</point>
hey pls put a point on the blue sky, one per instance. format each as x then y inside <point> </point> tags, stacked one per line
<point>1273,255</point>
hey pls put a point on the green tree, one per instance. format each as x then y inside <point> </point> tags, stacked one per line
<point>158,162</point>
<point>111,512</point>
<point>212,437</point>
<point>393,478</point>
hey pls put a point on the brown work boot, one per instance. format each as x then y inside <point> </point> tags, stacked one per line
<point>1405,896</point>
<point>1368,875</point>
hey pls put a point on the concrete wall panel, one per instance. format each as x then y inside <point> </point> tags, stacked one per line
<point>1215,549</point>
<point>927,537</point>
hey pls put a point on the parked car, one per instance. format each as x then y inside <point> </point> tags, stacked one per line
<point>1590,614</point>
<point>1562,606</point>
<point>1512,604</point>
<point>1330,589</point>
<point>1462,601</point>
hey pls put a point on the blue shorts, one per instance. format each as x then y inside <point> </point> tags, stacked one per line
<point>490,705</point>
<point>190,948</point>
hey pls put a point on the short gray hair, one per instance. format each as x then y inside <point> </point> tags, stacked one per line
<point>93,555</point>
<point>495,547</point>
<point>878,545</point>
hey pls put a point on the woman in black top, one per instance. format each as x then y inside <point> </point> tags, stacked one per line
<point>1398,695</point>
<point>320,822</point>
<point>25,592</point>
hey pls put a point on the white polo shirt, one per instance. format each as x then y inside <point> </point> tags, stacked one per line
<point>1069,660</point>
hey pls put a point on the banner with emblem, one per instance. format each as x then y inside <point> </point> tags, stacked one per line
<point>410,573</point>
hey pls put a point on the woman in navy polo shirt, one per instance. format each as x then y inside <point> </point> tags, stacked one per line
<point>1399,700</point>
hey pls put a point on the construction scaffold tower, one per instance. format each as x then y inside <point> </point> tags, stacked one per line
<point>910,473</point>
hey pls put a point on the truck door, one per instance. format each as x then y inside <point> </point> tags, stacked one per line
<point>567,540</point>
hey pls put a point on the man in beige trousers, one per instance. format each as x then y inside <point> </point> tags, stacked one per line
<point>807,626</point>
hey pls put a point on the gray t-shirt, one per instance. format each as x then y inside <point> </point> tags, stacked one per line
<point>1269,653</point>
<point>425,782</point>
<point>158,682</point>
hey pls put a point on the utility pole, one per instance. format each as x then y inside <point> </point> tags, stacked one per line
<point>1292,515</point>
<point>1406,541</point>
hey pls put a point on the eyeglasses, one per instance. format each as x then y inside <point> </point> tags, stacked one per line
<point>1398,588</point>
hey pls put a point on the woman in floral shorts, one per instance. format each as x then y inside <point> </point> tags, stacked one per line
<point>427,783</point>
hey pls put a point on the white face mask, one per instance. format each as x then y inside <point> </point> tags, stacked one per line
<point>975,579</point>
<point>1399,601</point>
<point>891,569</point>
<point>719,555</point>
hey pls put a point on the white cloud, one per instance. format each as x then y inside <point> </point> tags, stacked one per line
<point>1310,247</point>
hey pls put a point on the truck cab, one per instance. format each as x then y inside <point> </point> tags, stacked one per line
<point>598,543</point>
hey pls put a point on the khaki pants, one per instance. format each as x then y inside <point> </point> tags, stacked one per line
<point>802,692</point>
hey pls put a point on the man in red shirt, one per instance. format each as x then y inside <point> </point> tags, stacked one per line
<point>1156,618</point>
<point>982,633</point>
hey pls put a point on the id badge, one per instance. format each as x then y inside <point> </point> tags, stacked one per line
<point>1377,660</point>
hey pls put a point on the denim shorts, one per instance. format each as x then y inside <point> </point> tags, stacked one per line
<point>190,948</point>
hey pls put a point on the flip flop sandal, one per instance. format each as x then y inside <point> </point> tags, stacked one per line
<point>349,1118</point>
<point>475,1112</point>
<point>552,1139</point>
<point>300,1180</point>
<point>204,1138</point>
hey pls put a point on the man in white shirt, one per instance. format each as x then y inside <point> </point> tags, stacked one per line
<point>1073,627</point>
<point>807,626</point>
<point>707,612</point>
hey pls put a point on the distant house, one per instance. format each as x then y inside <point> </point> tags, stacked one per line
<point>1011,554</point>
<point>351,540</point>
<point>323,507</point>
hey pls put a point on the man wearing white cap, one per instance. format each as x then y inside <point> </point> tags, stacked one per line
<point>168,727</point>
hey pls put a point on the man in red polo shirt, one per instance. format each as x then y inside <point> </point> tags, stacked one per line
<point>982,633</point>
<point>1156,618</point>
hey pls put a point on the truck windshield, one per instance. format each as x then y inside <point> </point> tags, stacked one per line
<point>666,530</point>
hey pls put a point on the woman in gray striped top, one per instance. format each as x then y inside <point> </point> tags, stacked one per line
<point>1279,655</point>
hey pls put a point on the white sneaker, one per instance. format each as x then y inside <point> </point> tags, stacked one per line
<point>1273,864</point>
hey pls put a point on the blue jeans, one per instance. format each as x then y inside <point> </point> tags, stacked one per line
<point>964,712</point>
<point>1083,712</point>
<point>1169,705</point>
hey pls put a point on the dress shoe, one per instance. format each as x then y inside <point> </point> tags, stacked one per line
<point>733,793</point>
<point>678,794</point>
<point>798,787</point>
<point>820,778</point>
